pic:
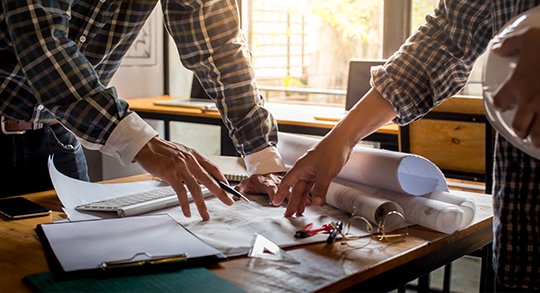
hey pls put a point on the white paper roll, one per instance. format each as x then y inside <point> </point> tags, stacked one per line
<point>400,172</point>
<point>466,204</point>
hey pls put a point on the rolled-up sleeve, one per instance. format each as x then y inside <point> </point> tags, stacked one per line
<point>212,45</point>
<point>436,61</point>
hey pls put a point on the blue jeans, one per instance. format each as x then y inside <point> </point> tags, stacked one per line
<point>23,159</point>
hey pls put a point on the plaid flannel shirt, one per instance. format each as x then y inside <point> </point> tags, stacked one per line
<point>57,58</point>
<point>433,65</point>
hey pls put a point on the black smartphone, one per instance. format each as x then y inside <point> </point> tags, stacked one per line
<point>20,207</point>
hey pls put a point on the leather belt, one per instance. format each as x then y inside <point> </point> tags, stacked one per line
<point>15,126</point>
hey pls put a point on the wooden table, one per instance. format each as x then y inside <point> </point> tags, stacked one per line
<point>323,268</point>
<point>301,119</point>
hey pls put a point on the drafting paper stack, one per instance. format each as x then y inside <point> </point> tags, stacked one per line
<point>376,181</point>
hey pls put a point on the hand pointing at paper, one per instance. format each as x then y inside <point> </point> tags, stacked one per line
<point>175,164</point>
<point>316,169</point>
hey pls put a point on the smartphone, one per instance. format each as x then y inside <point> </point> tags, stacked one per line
<point>20,207</point>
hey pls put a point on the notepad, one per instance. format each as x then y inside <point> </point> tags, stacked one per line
<point>233,168</point>
<point>94,245</point>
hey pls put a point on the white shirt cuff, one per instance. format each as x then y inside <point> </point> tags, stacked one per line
<point>126,140</point>
<point>263,162</point>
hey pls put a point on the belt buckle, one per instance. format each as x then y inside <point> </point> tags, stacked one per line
<point>9,132</point>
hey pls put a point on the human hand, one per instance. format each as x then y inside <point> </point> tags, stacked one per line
<point>523,87</point>
<point>315,169</point>
<point>262,184</point>
<point>175,163</point>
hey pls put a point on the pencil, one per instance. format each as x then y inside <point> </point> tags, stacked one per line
<point>230,190</point>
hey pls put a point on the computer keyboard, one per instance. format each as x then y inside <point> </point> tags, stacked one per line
<point>139,203</point>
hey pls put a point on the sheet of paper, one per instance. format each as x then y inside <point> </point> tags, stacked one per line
<point>230,229</point>
<point>73,192</point>
<point>400,172</point>
<point>86,244</point>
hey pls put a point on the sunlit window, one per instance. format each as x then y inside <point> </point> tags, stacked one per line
<point>419,10</point>
<point>305,45</point>
<point>301,48</point>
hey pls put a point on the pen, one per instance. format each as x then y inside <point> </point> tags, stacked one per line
<point>332,237</point>
<point>230,190</point>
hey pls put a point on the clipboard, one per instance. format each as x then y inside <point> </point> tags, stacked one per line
<point>123,246</point>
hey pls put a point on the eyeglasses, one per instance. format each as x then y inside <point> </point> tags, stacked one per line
<point>386,229</point>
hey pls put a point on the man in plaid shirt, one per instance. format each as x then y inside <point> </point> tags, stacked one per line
<point>431,66</point>
<point>56,60</point>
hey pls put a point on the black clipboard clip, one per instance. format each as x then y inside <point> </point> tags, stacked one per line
<point>125,263</point>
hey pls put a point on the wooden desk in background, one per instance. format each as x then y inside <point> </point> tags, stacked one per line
<point>301,119</point>
<point>323,268</point>
<point>457,137</point>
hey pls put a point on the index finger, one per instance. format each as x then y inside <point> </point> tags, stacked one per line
<point>205,171</point>
<point>197,196</point>
<point>287,182</point>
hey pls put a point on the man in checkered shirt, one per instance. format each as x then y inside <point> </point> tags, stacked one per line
<point>432,65</point>
<point>57,58</point>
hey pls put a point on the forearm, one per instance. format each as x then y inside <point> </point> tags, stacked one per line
<point>52,72</point>
<point>218,56</point>
<point>435,62</point>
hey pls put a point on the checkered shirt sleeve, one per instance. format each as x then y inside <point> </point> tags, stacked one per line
<point>58,58</point>
<point>435,62</point>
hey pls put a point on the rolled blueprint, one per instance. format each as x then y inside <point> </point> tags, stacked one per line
<point>374,209</point>
<point>399,172</point>
<point>418,210</point>
<point>415,185</point>
<point>466,204</point>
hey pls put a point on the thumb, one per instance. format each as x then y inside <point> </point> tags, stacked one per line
<point>507,47</point>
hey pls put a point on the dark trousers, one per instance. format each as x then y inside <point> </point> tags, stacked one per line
<point>23,159</point>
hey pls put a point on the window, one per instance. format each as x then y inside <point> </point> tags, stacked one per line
<point>419,10</point>
<point>301,49</point>
<point>305,45</point>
